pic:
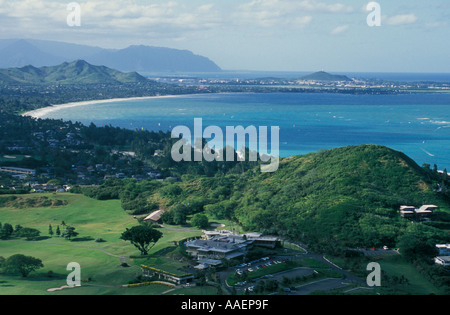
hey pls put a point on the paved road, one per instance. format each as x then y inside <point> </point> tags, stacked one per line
<point>320,285</point>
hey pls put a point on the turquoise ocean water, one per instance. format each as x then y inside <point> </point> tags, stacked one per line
<point>418,124</point>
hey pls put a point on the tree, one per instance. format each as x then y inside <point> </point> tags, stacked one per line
<point>22,264</point>
<point>28,233</point>
<point>414,247</point>
<point>50,230</point>
<point>17,228</point>
<point>143,237</point>
<point>58,231</point>
<point>6,231</point>
<point>167,217</point>
<point>69,232</point>
<point>200,221</point>
<point>179,214</point>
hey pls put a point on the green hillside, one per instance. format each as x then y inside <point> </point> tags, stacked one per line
<point>332,200</point>
<point>348,195</point>
<point>341,198</point>
<point>76,72</point>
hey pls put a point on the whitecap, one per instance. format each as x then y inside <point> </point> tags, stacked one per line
<point>427,152</point>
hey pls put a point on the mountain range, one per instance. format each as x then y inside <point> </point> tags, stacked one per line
<point>38,53</point>
<point>76,72</point>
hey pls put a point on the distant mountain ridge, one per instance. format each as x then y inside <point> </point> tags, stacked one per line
<point>325,76</point>
<point>38,53</point>
<point>22,53</point>
<point>76,72</point>
<point>145,58</point>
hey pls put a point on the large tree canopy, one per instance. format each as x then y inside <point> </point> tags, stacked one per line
<point>22,264</point>
<point>143,237</point>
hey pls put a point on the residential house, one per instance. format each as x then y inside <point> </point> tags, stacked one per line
<point>442,260</point>
<point>423,212</point>
<point>444,249</point>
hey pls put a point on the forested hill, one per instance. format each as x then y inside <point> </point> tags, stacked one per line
<point>76,72</point>
<point>347,196</point>
<point>324,76</point>
<point>341,198</point>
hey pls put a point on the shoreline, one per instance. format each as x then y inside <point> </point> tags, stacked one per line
<point>40,112</point>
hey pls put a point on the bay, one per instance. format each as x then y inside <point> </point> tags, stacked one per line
<point>416,124</point>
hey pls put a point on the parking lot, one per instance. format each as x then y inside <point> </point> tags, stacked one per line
<point>258,264</point>
<point>278,276</point>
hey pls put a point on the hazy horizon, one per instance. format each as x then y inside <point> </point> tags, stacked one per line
<point>253,35</point>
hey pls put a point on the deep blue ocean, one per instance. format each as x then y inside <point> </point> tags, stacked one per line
<point>418,125</point>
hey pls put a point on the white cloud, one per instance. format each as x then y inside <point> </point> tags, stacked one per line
<point>435,24</point>
<point>165,20</point>
<point>300,22</point>
<point>340,29</point>
<point>401,19</point>
<point>290,13</point>
<point>114,17</point>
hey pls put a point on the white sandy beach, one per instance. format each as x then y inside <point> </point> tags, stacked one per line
<point>43,112</point>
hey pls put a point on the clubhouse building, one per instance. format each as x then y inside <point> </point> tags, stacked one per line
<point>216,246</point>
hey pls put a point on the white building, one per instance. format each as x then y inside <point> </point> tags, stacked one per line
<point>442,260</point>
<point>424,211</point>
<point>223,244</point>
<point>444,249</point>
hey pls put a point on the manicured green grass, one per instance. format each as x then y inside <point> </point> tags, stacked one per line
<point>313,263</point>
<point>418,285</point>
<point>101,270</point>
<point>391,266</point>
<point>164,263</point>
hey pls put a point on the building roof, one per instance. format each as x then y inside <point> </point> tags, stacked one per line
<point>154,216</point>
<point>428,207</point>
<point>217,245</point>
<point>210,262</point>
<point>445,259</point>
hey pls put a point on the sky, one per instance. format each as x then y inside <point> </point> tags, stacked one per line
<point>263,35</point>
